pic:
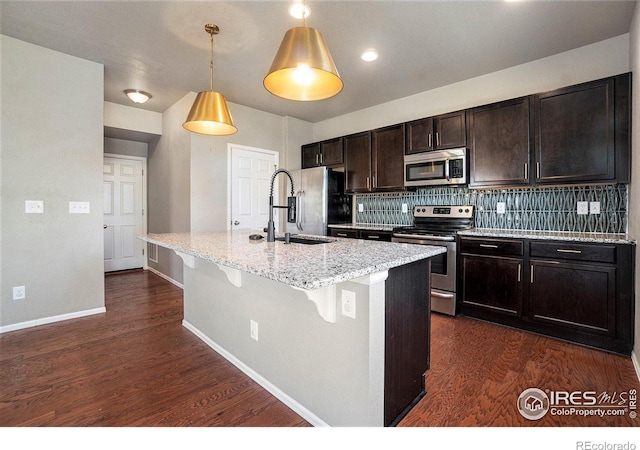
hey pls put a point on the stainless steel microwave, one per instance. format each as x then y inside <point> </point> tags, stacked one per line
<point>441,167</point>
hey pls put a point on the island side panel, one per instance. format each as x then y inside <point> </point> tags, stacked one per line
<point>330,369</point>
<point>408,320</point>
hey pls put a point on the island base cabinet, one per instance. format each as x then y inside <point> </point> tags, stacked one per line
<point>407,337</point>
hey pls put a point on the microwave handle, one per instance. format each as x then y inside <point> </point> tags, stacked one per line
<point>446,170</point>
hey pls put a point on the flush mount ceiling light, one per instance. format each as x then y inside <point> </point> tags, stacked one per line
<point>369,55</point>
<point>303,68</point>
<point>137,96</point>
<point>209,113</point>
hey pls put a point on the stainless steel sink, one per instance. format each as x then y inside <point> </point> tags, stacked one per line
<point>306,241</point>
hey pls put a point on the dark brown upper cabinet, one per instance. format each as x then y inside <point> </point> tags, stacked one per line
<point>325,153</point>
<point>387,157</point>
<point>357,162</point>
<point>582,133</point>
<point>499,144</point>
<point>436,133</point>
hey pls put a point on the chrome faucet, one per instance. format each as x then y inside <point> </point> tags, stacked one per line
<point>291,205</point>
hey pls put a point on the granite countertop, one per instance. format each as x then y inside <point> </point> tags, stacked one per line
<point>602,238</point>
<point>364,226</point>
<point>299,265</point>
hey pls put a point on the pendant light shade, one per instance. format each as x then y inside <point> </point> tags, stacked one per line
<point>209,113</point>
<point>303,68</point>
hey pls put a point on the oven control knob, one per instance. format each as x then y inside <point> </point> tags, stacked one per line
<point>466,210</point>
<point>460,210</point>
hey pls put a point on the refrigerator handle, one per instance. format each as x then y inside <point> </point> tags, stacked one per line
<point>299,206</point>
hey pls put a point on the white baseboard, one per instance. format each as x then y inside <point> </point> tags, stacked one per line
<point>270,387</point>
<point>636,363</point>
<point>52,319</point>
<point>161,275</point>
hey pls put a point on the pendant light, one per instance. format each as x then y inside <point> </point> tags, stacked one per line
<point>209,113</point>
<point>303,69</point>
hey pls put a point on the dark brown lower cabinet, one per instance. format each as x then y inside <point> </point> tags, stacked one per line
<point>575,291</point>
<point>407,330</point>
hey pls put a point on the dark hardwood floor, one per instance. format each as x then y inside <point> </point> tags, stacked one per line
<point>137,366</point>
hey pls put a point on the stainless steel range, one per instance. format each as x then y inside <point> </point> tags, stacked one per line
<point>438,226</point>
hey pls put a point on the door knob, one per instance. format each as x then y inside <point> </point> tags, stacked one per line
<point>235,222</point>
<point>104,227</point>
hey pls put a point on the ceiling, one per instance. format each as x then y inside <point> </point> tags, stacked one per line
<point>161,46</point>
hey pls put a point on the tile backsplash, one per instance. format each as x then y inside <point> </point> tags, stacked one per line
<point>540,209</point>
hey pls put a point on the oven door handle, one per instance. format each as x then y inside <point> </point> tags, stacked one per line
<point>425,237</point>
<point>440,295</point>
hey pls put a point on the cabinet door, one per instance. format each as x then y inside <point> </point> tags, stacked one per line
<point>451,130</point>
<point>493,284</point>
<point>311,155</point>
<point>577,296</point>
<point>387,152</point>
<point>499,144</point>
<point>419,136</point>
<point>331,152</point>
<point>357,159</point>
<point>575,134</point>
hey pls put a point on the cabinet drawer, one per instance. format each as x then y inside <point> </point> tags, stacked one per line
<point>574,251</point>
<point>376,235</point>
<point>339,232</point>
<point>502,247</point>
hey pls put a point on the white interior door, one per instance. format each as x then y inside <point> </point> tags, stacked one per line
<point>251,171</point>
<point>123,214</point>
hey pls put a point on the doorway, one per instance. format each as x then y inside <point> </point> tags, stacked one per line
<point>124,212</point>
<point>250,176</point>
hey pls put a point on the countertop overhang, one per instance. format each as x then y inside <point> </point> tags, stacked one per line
<point>303,266</point>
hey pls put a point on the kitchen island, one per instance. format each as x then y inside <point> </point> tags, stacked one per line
<point>338,331</point>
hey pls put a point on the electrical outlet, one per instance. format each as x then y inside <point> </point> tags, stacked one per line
<point>349,303</point>
<point>254,330</point>
<point>594,208</point>
<point>19,293</point>
<point>583,207</point>
<point>34,206</point>
<point>405,209</point>
<point>501,208</point>
<point>360,207</point>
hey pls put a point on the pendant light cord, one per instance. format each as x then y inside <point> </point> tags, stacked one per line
<point>211,64</point>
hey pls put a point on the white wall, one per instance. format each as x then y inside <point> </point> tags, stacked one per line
<point>51,149</point>
<point>634,188</point>
<point>132,119</point>
<point>599,60</point>
<point>125,147</point>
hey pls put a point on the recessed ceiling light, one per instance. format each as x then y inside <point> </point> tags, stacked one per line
<point>299,10</point>
<point>369,55</point>
<point>137,96</point>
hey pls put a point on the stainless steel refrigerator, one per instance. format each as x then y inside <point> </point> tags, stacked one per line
<point>320,201</point>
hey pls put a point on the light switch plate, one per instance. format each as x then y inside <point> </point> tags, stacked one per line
<point>34,206</point>
<point>79,208</point>
<point>501,208</point>
<point>594,207</point>
<point>405,209</point>
<point>583,207</point>
<point>360,207</point>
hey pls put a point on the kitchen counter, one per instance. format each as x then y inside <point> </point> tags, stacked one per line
<point>338,331</point>
<point>298,265</point>
<point>602,238</point>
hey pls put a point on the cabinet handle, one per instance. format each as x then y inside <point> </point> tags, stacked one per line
<point>368,186</point>
<point>341,234</point>
<point>430,140</point>
<point>373,236</point>
<point>526,171</point>
<point>437,138</point>
<point>531,273</point>
<point>519,271</point>
<point>488,246</point>
<point>321,159</point>
<point>563,250</point>
<point>538,170</point>
<point>317,156</point>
